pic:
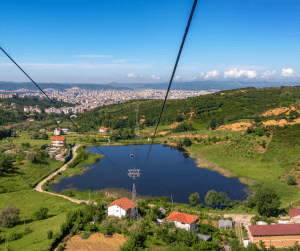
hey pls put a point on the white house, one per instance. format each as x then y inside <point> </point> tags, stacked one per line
<point>103,129</point>
<point>26,109</point>
<point>183,221</point>
<point>121,207</point>
<point>57,131</point>
<point>58,141</point>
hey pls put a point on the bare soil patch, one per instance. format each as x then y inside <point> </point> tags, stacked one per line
<point>212,222</point>
<point>280,110</point>
<point>174,125</point>
<point>97,242</point>
<point>239,126</point>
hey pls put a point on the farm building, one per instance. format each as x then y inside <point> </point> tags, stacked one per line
<point>183,221</point>
<point>57,131</point>
<point>121,208</point>
<point>279,236</point>
<point>226,224</point>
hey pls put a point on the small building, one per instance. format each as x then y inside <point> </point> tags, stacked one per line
<point>121,208</point>
<point>183,221</point>
<point>279,236</point>
<point>26,109</point>
<point>58,141</point>
<point>225,224</point>
<point>205,237</point>
<point>57,131</point>
<point>103,129</point>
<point>65,130</point>
<point>13,104</point>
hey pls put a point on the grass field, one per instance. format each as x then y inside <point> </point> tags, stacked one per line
<point>29,201</point>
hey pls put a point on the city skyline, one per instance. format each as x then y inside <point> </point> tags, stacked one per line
<point>137,42</point>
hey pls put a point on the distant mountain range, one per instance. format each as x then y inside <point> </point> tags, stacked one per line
<point>196,85</point>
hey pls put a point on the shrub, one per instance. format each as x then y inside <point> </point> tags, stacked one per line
<point>15,236</point>
<point>290,179</point>
<point>50,234</point>
<point>40,214</point>
<point>32,156</point>
<point>9,216</point>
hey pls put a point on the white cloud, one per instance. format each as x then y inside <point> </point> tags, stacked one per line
<point>267,74</point>
<point>288,73</point>
<point>93,56</point>
<point>154,77</point>
<point>211,74</point>
<point>177,77</point>
<point>123,60</point>
<point>192,78</point>
<point>202,74</point>
<point>130,75</point>
<point>241,73</point>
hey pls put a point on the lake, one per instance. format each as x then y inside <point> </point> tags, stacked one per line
<point>167,172</point>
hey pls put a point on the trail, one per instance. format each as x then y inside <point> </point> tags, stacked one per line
<point>63,168</point>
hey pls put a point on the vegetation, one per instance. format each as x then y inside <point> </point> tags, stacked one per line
<point>9,216</point>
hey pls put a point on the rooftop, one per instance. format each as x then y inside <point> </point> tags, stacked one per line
<point>124,203</point>
<point>280,229</point>
<point>186,218</point>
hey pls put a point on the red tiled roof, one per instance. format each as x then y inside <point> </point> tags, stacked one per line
<point>186,218</point>
<point>124,203</point>
<point>294,212</point>
<point>58,128</point>
<point>25,106</point>
<point>58,138</point>
<point>103,128</point>
<point>280,229</point>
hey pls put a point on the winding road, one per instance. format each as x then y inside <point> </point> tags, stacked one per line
<point>63,168</point>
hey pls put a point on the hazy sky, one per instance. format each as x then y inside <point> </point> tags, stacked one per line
<point>138,40</point>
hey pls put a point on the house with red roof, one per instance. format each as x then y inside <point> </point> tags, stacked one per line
<point>26,108</point>
<point>103,129</point>
<point>279,236</point>
<point>121,208</point>
<point>58,141</point>
<point>183,221</point>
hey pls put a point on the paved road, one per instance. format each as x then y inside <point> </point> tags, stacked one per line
<point>39,186</point>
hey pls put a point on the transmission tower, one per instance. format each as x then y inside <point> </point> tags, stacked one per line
<point>134,210</point>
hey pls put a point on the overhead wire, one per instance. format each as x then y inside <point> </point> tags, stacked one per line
<point>55,104</point>
<point>172,76</point>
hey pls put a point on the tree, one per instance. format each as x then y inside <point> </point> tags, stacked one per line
<point>235,245</point>
<point>9,216</point>
<point>41,214</point>
<point>194,199</point>
<point>187,141</point>
<point>290,179</point>
<point>35,135</point>
<point>262,245</point>
<point>6,165</point>
<point>223,199</point>
<point>212,124</point>
<point>267,201</point>
<point>45,136</point>
<point>32,156</point>
<point>212,198</point>
<point>252,247</point>
<point>250,202</point>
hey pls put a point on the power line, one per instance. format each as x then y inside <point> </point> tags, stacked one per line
<point>55,104</point>
<point>173,73</point>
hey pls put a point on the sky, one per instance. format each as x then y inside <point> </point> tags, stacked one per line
<point>137,41</point>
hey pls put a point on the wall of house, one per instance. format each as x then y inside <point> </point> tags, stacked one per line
<point>277,241</point>
<point>189,227</point>
<point>116,211</point>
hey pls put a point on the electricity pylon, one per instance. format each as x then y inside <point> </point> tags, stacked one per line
<point>134,210</point>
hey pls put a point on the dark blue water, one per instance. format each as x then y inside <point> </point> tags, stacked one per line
<point>168,172</point>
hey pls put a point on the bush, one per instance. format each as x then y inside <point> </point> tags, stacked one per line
<point>40,214</point>
<point>32,156</point>
<point>290,179</point>
<point>50,234</point>
<point>9,216</point>
<point>15,236</point>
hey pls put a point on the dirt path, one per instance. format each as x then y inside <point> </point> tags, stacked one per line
<point>39,186</point>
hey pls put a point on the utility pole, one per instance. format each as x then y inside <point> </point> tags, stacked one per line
<point>134,211</point>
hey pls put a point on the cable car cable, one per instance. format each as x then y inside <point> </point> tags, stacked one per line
<point>173,73</point>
